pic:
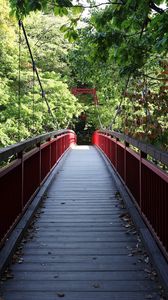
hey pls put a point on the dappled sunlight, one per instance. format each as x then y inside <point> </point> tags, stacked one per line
<point>81,147</point>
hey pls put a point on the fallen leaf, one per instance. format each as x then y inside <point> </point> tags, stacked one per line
<point>160,287</point>
<point>148,297</point>
<point>126,219</point>
<point>122,206</point>
<point>152,278</point>
<point>127,225</point>
<point>3,279</point>
<point>96,285</point>
<point>20,261</point>
<point>122,215</point>
<point>146,260</point>
<point>9,276</point>
<point>60,294</point>
<point>129,248</point>
<point>147,271</point>
<point>117,195</point>
<point>154,273</point>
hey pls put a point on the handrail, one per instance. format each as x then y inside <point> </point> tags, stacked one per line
<point>20,180</point>
<point>151,150</point>
<point>7,152</point>
<point>146,182</point>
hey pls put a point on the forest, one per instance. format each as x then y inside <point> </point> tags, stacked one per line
<point>119,47</point>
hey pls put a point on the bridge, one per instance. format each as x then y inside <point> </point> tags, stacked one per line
<point>83,222</point>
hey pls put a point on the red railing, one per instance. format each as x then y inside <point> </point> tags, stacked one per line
<point>146,182</point>
<point>20,180</point>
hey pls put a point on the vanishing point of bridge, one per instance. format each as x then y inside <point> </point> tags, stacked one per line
<point>83,222</point>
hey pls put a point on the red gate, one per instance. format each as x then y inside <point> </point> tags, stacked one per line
<point>78,91</point>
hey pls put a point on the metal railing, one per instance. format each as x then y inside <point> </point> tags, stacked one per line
<point>146,182</point>
<point>21,179</point>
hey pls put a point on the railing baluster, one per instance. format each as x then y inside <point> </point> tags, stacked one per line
<point>146,182</point>
<point>21,179</point>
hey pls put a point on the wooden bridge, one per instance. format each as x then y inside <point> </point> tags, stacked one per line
<point>83,222</point>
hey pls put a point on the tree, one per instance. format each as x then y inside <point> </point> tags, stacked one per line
<point>123,61</point>
<point>26,115</point>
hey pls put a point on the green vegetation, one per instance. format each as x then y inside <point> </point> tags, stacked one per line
<point>121,50</point>
<point>27,115</point>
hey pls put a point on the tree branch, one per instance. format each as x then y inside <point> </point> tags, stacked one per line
<point>91,6</point>
<point>100,4</point>
<point>153,6</point>
<point>153,78</point>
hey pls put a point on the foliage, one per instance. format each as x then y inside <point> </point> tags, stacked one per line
<point>122,52</point>
<point>27,116</point>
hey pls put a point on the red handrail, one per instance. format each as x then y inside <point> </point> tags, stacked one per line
<point>21,179</point>
<point>146,182</point>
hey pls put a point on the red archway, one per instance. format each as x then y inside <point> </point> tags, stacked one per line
<point>78,91</point>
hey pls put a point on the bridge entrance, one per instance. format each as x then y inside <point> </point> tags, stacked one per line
<point>83,128</point>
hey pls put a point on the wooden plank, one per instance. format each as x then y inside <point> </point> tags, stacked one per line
<point>96,259</point>
<point>81,285</point>
<point>90,238</point>
<point>55,295</point>
<point>80,213</point>
<point>81,230</point>
<point>81,248</point>
<point>78,266</point>
<point>69,233</point>
<point>77,251</point>
<point>56,276</point>
<point>81,218</point>
<point>80,245</point>
<point>79,226</point>
<point>111,224</point>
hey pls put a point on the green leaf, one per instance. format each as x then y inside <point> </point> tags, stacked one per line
<point>64,28</point>
<point>76,10</point>
<point>56,10</point>
<point>60,11</point>
<point>65,11</point>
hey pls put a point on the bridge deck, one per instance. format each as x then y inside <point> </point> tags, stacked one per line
<point>80,247</point>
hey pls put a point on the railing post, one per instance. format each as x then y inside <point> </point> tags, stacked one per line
<point>125,161</point>
<point>20,156</point>
<point>39,146</point>
<point>108,146</point>
<point>116,156</point>
<point>56,148</point>
<point>142,155</point>
<point>49,140</point>
<point>146,183</point>
<point>33,157</point>
<point>63,144</point>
